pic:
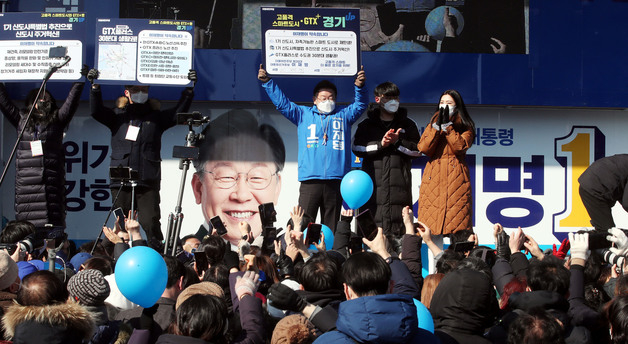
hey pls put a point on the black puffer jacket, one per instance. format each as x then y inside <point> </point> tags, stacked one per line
<point>389,167</point>
<point>144,154</point>
<point>40,180</point>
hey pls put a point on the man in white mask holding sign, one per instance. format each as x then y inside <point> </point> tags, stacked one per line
<point>137,125</point>
<point>387,142</point>
<point>324,133</point>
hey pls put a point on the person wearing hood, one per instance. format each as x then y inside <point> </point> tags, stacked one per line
<point>387,141</point>
<point>40,157</point>
<point>324,133</point>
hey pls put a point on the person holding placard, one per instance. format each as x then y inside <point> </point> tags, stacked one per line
<point>324,136</point>
<point>40,157</point>
<point>137,124</point>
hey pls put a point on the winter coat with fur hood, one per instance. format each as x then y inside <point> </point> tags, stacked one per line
<point>58,323</point>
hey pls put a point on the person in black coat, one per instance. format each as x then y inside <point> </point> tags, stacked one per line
<point>602,185</point>
<point>40,158</point>
<point>137,125</point>
<point>387,142</point>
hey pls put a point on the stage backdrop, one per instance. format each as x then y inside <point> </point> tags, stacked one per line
<point>524,166</point>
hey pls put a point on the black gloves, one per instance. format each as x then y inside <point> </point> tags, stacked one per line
<point>446,115</point>
<point>84,70</point>
<point>192,77</point>
<point>92,75</point>
<point>285,266</point>
<point>284,298</point>
<point>503,250</point>
<point>439,119</point>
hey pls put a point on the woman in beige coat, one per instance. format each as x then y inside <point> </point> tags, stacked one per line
<point>445,193</point>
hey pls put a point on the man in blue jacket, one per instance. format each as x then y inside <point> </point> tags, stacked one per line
<point>371,314</point>
<point>324,136</point>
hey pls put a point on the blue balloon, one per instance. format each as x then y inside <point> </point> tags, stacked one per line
<point>425,317</point>
<point>329,238</point>
<point>141,275</point>
<point>356,188</point>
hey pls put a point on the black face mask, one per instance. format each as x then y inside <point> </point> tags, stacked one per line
<point>44,107</point>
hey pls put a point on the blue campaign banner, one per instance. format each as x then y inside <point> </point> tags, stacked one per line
<point>299,41</point>
<point>26,39</point>
<point>144,51</point>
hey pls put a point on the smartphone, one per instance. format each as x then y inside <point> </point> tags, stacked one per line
<point>119,213</point>
<point>201,263</point>
<point>313,233</point>
<point>367,225</point>
<point>58,52</point>
<point>355,245</point>
<point>217,223</point>
<point>463,246</point>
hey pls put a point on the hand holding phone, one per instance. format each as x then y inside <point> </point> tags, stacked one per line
<point>119,213</point>
<point>355,245</point>
<point>313,233</point>
<point>201,262</point>
<point>218,225</point>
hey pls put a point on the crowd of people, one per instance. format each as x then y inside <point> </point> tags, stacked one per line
<point>339,294</point>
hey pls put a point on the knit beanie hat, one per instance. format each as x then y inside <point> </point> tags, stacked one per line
<point>202,288</point>
<point>89,287</point>
<point>293,329</point>
<point>8,270</point>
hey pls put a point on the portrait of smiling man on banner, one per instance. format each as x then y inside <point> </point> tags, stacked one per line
<point>238,169</point>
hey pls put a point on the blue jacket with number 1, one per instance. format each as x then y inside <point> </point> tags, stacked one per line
<point>319,159</point>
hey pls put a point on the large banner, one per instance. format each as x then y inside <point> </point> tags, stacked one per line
<point>311,41</point>
<point>524,165</point>
<point>26,39</point>
<point>144,51</point>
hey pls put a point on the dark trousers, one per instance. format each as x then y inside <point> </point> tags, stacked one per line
<point>599,210</point>
<point>322,194</point>
<point>147,206</point>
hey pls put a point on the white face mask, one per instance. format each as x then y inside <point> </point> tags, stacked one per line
<point>391,106</point>
<point>326,106</point>
<point>139,97</point>
<point>452,108</point>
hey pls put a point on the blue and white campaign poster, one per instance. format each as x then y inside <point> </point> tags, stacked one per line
<point>26,39</point>
<point>144,51</point>
<point>311,41</point>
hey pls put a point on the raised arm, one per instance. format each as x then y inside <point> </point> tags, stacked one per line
<point>10,111</point>
<point>69,107</point>
<point>287,108</point>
